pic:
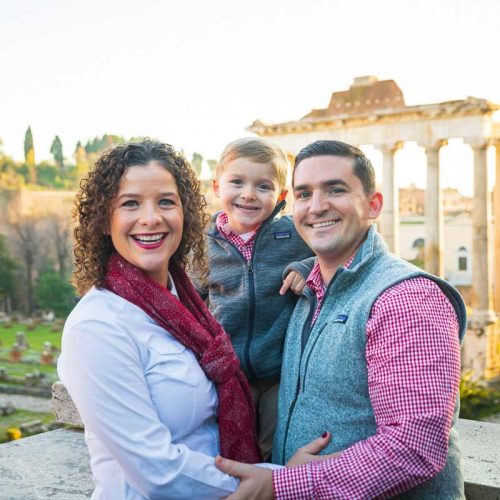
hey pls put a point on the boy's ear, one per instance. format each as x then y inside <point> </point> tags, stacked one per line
<point>215,186</point>
<point>282,196</point>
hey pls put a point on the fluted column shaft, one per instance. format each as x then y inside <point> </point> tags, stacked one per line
<point>496,218</point>
<point>481,283</point>
<point>433,212</point>
<point>390,191</point>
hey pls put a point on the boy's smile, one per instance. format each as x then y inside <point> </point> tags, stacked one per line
<point>248,192</point>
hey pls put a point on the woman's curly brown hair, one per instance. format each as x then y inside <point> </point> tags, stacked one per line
<point>94,203</point>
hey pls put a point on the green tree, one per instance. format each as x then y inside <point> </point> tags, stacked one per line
<point>7,274</point>
<point>55,293</point>
<point>56,150</point>
<point>213,165</point>
<point>196,163</point>
<point>29,155</point>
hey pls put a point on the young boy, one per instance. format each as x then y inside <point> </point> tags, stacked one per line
<point>249,246</point>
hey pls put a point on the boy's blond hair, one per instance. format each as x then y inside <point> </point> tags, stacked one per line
<point>258,151</point>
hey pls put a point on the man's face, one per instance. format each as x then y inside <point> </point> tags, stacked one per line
<point>331,211</point>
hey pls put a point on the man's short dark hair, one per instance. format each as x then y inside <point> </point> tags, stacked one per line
<point>362,166</point>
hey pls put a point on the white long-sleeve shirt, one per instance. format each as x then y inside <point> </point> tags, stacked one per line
<point>149,410</point>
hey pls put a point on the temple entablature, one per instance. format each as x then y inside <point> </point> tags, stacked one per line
<point>373,112</point>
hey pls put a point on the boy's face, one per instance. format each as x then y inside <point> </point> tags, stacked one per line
<point>248,193</point>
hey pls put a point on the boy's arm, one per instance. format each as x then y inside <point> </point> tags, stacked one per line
<point>303,267</point>
<point>295,275</point>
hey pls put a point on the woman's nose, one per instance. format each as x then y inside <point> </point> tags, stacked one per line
<point>150,215</point>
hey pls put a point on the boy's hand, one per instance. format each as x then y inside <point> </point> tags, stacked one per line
<point>308,453</point>
<point>295,282</point>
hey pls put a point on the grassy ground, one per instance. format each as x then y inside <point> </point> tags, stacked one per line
<point>20,417</point>
<point>35,339</point>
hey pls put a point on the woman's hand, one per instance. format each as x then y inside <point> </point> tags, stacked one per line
<point>308,453</point>
<point>294,281</point>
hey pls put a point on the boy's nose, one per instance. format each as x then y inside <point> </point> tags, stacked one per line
<point>248,193</point>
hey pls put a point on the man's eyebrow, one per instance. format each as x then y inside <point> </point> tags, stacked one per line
<point>328,183</point>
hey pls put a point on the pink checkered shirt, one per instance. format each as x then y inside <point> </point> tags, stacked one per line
<point>413,360</point>
<point>244,247</point>
<point>315,283</point>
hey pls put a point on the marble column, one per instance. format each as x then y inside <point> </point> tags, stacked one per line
<point>496,226</point>
<point>433,211</point>
<point>482,303</point>
<point>390,214</point>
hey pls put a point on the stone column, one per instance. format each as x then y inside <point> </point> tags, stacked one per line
<point>482,303</point>
<point>496,220</point>
<point>390,214</point>
<point>433,211</point>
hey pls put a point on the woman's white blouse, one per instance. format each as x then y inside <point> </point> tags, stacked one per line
<point>149,410</point>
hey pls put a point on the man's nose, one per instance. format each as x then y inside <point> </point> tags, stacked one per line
<point>318,203</point>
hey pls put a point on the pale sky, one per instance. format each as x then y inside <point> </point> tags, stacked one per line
<point>196,73</point>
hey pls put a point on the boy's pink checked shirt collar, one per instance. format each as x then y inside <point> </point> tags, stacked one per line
<point>244,247</point>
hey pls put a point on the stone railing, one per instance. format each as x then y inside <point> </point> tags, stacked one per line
<point>56,464</point>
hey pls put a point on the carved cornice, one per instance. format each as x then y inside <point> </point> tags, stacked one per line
<point>439,111</point>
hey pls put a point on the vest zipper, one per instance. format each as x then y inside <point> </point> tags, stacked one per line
<point>251,319</point>
<point>307,324</point>
<point>308,357</point>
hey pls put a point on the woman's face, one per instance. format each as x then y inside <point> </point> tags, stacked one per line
<point>147,219</point>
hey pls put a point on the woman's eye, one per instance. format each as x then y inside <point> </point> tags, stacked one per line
<point>166,202</point>
<point>130,203</point>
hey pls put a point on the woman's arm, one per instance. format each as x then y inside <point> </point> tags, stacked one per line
<point>102,369</point>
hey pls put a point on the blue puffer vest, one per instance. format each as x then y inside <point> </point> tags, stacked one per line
<point>324,384</point>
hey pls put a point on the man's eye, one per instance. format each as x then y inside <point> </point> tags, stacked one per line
<point>337,190</point>
<point>303,195</point>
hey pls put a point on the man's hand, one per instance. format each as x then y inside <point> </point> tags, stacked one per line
<point>256,483</point>
<point>294,281</point>
<point>308,453</point>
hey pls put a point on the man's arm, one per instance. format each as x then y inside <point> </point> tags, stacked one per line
<point>413,360</point>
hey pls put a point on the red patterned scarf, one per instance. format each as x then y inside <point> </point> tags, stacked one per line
<point>191,323</point>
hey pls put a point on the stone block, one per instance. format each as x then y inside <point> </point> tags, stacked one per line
<point>52,465</point>
<point>63,406</point>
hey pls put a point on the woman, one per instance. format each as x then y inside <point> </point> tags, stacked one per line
<point>152,374</point>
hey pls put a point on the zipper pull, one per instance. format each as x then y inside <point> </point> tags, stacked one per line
<point>250,267</point>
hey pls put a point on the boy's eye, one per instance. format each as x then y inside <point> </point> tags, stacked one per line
<point>264,187</point>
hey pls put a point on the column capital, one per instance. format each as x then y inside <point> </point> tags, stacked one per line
<point>435,145</point>
<point>389,147</point>
<point>478,142</point>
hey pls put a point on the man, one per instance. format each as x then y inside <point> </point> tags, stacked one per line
<point>372,354</point>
